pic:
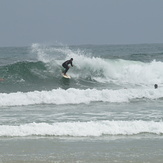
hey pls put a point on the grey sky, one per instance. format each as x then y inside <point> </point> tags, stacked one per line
<point>23,22</point>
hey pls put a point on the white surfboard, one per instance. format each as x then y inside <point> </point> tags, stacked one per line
<point>66,76</point>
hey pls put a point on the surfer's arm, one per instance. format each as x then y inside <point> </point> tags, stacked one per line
<point>71,64</point>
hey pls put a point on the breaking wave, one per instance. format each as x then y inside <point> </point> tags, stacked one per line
<point>84,129</point>
<point>100,69</point>
<point>77,96</point>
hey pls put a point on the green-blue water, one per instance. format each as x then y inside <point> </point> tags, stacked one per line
<point>109,102</point>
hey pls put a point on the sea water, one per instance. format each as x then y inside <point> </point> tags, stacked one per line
<point>109,111</point>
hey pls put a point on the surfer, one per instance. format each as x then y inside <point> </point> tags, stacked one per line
<point>155,86</point>
<point>65,65</point>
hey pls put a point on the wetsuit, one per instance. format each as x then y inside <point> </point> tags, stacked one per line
<point>65,65</point>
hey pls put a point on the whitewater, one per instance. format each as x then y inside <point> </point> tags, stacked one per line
<point>77,96</point>
<point>83,129</point>
<point>109,109</point>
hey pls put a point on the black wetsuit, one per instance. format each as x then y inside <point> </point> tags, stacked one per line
<point>65,65</point>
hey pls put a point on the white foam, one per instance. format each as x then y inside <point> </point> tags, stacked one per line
<point>103,70</point>
<point>91,128</point>
<point>77,96</point>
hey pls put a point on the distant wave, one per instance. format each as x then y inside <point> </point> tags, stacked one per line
<point>77,96</point>
<point>84,129</point>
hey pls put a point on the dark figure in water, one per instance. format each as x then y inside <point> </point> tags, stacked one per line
<point>156,86</point>
<point>65,65</point>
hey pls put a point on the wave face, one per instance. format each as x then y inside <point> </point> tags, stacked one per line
<point>78,129</point>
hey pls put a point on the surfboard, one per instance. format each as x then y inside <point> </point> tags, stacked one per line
<point>66,76</point>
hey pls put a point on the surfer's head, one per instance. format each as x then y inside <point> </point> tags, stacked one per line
<point>71,59</point>
<point>156,86</point>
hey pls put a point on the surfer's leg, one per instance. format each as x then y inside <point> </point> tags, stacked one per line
<point>66,69</point>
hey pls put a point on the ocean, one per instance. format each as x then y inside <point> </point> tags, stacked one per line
<point>108,112</point>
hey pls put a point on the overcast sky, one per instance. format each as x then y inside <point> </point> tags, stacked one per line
<point>23,22</point>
